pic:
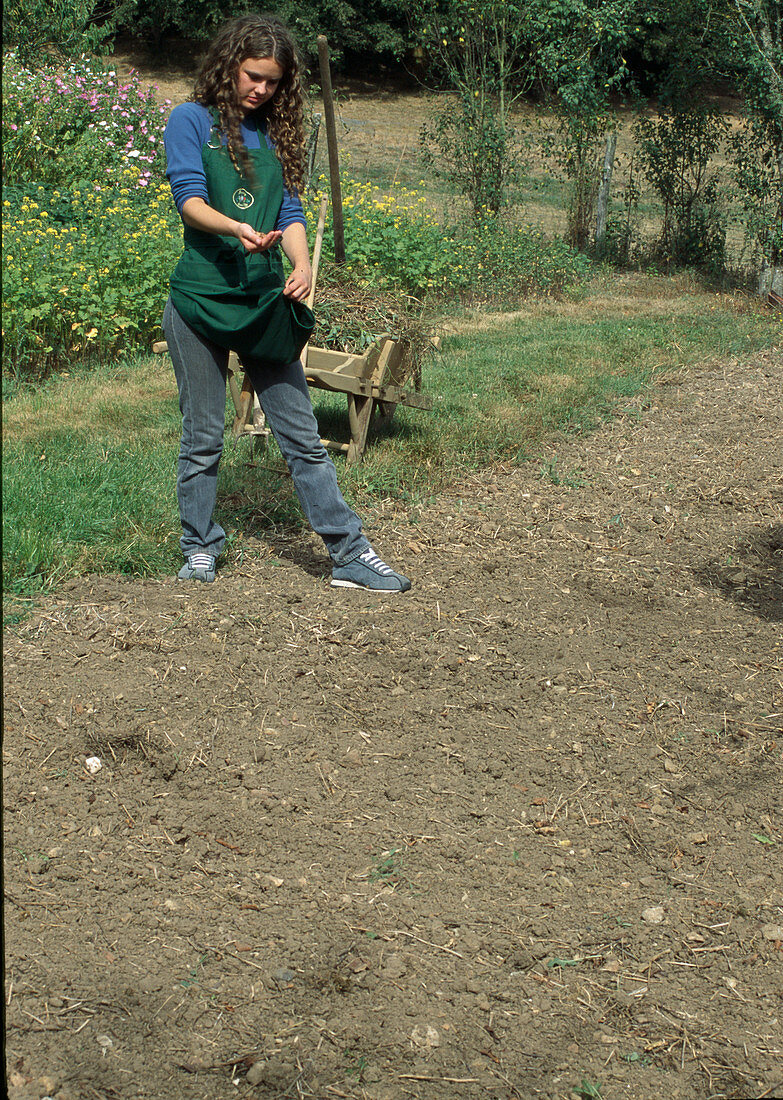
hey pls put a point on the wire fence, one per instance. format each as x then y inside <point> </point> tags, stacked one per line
<point>381,143</point>
<point>636,211</point>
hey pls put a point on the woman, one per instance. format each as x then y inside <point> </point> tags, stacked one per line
<point>235,164</point>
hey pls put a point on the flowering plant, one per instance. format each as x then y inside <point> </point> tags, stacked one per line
<point>85,271</point>
<point>65,125</point>
<point>396,242</point>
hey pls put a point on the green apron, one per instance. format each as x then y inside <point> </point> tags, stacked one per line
<point>232,297</point>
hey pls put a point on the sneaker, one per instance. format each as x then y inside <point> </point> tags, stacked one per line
<point>368,571</point>
<point>198,567</point>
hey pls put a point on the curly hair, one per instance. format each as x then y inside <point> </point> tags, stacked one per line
<point>256,36</point>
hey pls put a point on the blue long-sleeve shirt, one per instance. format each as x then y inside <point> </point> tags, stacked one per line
<point>188,130</point>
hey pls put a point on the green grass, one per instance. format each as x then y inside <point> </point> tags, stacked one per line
<point>90,460</point>
<point>89,465</point>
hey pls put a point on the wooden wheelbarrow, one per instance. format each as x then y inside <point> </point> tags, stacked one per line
<point>373,381</point>
<point>249,419</point>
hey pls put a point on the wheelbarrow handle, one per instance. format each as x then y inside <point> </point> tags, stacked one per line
<point>319,240</point>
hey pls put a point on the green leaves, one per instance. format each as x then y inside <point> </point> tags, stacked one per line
<point>38,29</point>
<point>79,287</point>
<point>762,838</point>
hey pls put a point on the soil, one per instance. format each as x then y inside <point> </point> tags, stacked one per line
<point>513,834</point>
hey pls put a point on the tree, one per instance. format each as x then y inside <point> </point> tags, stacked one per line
<point>479,48</point>
<point>41,29</point>
<point>370,28</point>
<point>579,50</point>
<point>755,29</point>
<point>688,46</point>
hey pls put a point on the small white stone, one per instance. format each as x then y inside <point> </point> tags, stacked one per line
<point>654,915</point>
<point>772,931</point>
<point>93,764</point>
<point>425,1037</point>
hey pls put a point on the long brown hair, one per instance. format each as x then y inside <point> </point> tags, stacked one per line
<point>257,36</point>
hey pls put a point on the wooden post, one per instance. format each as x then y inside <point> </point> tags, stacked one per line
<point>331,142</point>
<point>602,205</point>
<point>319,240</point>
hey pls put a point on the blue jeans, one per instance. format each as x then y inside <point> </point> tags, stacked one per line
<point>201,367</point>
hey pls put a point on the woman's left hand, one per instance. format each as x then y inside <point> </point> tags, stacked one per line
<point>298,283</point>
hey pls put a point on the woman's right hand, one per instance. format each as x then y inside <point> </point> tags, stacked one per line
<point>257,242</point>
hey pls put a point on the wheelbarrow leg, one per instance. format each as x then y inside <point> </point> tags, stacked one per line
<point>360,410</point>
<point>385,412</point>
<point>245,410</point>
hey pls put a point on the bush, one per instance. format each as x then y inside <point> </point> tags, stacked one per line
<point>90,231</point>
<point>758,174</point>
<point>41,28</point>
<point>85,271</point>
<point>390,240</point>
<point>395,241</point>
<point>508,263</point>
<point>63,126</point>
<point>677,152</point>
<point>475,150</point>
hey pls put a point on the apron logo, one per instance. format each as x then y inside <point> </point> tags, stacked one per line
<point>243,200</point>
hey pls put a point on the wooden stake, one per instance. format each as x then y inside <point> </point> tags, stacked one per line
<point>331,143</point>
<point>319,240</point>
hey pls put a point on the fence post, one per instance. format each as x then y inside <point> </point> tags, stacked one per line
<point>331,141</point>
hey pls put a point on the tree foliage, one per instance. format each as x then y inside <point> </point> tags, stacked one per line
<point>677,152</point>
<point>478,48</point>
<point>374,29</point>
<point>756,28</point>
<point>39,29</point>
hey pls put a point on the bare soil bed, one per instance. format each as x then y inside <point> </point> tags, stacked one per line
<point>514,834</point>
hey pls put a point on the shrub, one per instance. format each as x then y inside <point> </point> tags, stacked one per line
<point>480,48</point>
<point>63,126</point>
<point>676,153</point>
<point>509,262</point>
<point>758,174</point>
<point>391,240</point>
<point>85,271</point>
<point>475,150</point>
<point>40,28</point>
<point>395,241</point>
